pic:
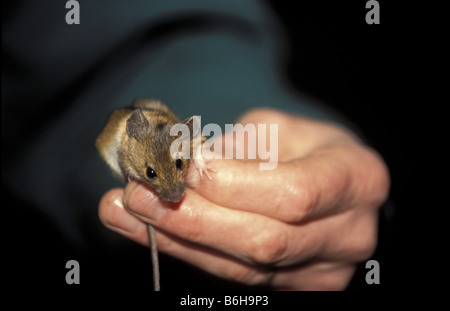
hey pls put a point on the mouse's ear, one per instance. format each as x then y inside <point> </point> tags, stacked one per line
<point>137,124</point>
<point>194,125</point>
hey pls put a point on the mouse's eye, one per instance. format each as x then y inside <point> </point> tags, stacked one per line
<point>151,172</point>
<point>179,164</point>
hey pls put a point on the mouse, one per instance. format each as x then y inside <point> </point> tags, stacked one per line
<point>136,145</point>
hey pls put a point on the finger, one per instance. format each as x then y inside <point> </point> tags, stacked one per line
<point>288,245</point>
<point>115,216</point>
<point>312,276</point>
<point>250,237</point>
<point>323,183</point>
<point>211,261</point>
<point>315,276</point>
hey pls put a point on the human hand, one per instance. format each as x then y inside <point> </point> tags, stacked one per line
<point>309,221</point>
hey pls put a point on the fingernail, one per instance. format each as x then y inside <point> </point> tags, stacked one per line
<point>142,202</point>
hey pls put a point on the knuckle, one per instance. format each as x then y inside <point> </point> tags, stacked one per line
<point>364,240</point>
<point>297,203</point>
<point>365,248</point>
<point>358,241</point>
<point>268,248</point>
<point>377,179</point>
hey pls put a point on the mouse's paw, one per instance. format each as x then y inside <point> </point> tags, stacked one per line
<point>202,168</point>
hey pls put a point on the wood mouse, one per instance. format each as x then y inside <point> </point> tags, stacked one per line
<point>136,144</point>
<point>136,141</point>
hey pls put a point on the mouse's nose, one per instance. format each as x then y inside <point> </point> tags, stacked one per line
<point>174,194</point>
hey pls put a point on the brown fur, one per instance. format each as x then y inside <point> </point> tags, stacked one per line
<point>137,138</point>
